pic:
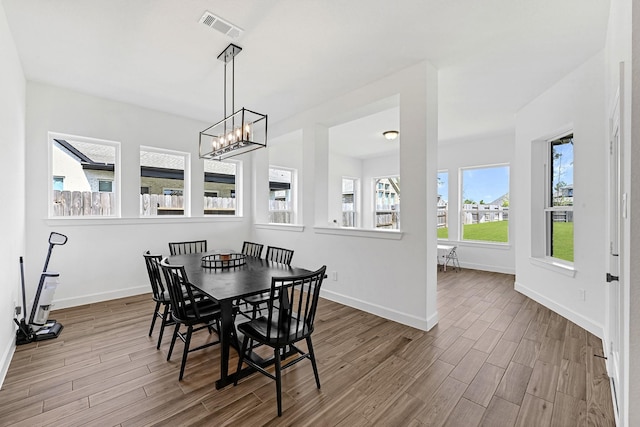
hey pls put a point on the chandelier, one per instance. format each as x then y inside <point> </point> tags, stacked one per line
<point>240,132</point>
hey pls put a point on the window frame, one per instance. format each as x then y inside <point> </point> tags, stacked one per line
<point>116,186</point>
<point>375,182</point>
<point>236,193</point>
<point>462,210</point>
<point>357,211</point>
<point>186,190</point>
<point>548,209</point>
<point>293,193</point>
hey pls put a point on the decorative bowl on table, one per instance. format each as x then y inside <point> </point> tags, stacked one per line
<point>223,260</point>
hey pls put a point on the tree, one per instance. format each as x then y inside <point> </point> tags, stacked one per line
<point>468,202</point>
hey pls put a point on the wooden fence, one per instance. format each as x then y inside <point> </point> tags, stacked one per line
<point>82,203</point>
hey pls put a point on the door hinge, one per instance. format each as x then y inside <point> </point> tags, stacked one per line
<point>611,278</point>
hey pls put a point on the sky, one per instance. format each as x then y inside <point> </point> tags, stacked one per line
<point>486,184</point>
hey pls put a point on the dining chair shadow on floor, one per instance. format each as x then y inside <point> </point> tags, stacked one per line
<point>188,310</point>
<point>291,311</point>
<point>192,247</point>
<point>252,249</point>
<point>257,302</point>
<point>159,294</point>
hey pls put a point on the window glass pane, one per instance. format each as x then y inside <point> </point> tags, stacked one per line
<point>162,175</point>
<point>485,204</point>
<point>443,205</point>
<point>560,225</point>
<point>349,202</point>
<point>387,202</point>
<point>562,171</point>
<point>79,168</point>
<point>280,196</point>
<point>219,188</point>
<point>105,186</point>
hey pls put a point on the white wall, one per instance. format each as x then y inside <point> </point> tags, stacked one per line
<point>392,278</point>
<point>103,257</point>
<point>12,164</point>
<point>481,151</point>
<point>577,101</point>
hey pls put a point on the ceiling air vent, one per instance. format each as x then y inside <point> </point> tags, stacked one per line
<point>220,25</point>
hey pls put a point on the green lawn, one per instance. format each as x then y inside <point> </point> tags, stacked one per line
<point>563,240</point>
<point>498,232</point>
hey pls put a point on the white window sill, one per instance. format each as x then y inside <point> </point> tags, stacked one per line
<point>553,265</point>
<point>360,232</point>
<point>162,219</point>
<point>476,244</point>
<point>281,227</point>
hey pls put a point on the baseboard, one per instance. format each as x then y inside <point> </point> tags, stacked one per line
<point>585,323</point>
<point>484,267</point>
<point>378,310</point>
<point>6,358</point>
<point>99,297</point>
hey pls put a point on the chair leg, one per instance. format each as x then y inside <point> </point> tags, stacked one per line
<point>276,354</point>
<point>245,342</point>
<point>153,320</point>
<point>312,356</point>
<point>173,341</point>
<point>165,316</point>
<point>185,352</point>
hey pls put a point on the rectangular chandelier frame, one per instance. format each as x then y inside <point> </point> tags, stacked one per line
<point>239,133</point>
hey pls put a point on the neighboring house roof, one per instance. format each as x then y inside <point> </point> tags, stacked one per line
<point>500,200</point>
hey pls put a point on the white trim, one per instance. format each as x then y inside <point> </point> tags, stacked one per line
<point>279,227</point>
<point>161,219</point>
<point>486,267</point>
<point>378,310</point>
<point>99,297</point>
<point>5,362</point>
<point>360,232</point>
<point>585,323</point>
<point>554,265</point>
<point>478,244</point>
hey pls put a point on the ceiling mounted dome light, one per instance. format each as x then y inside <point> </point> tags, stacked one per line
<point>242,131</point>
<point>391,134</point>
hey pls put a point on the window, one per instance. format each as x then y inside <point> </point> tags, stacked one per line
<point>281,195</point>
<point>485,204</point>
<point>443,205</point>
<point>559,199</point>
<point>387,203</point>
<point>350,202</point>
<point>164,177</point>
<point>58,183</point>
<point>105,186</point>
<point>80,167</point>
<point>220,187</point>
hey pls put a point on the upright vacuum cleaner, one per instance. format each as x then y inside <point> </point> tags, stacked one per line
<point>38,327</point>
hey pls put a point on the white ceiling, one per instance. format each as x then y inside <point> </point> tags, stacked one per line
<point>493,56</point>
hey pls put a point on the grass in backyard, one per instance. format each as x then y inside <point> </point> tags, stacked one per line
<point>563,241</point>
<point>497,231</point>
<point>443,233</point>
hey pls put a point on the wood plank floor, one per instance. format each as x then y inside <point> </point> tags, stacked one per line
<point>496,358</point>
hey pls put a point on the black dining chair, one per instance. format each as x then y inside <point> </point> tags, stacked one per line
<point>252,249</point>
<point>188,310</point>
<point>291,312</point>
<point>192,247</point>
<point>280,255</point>
<point>159,294</point>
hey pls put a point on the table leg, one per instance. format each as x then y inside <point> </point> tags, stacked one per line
<point>226,309</point>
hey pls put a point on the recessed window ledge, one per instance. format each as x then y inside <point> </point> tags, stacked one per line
<point>90,221</point>
<point>475,244</point>
<point>280,227</point>
<point>553,265</point>
<point>360,232</point>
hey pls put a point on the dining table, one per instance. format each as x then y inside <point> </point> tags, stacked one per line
<point>226,285</point>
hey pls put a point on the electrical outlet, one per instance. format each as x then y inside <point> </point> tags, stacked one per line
<point>334,276</point>
<point>17,309</point>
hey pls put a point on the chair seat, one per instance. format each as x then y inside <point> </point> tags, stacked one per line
<point>208,310</point>
<point>257,330</point>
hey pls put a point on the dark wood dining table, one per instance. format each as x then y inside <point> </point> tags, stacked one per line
<point>227,285</point>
